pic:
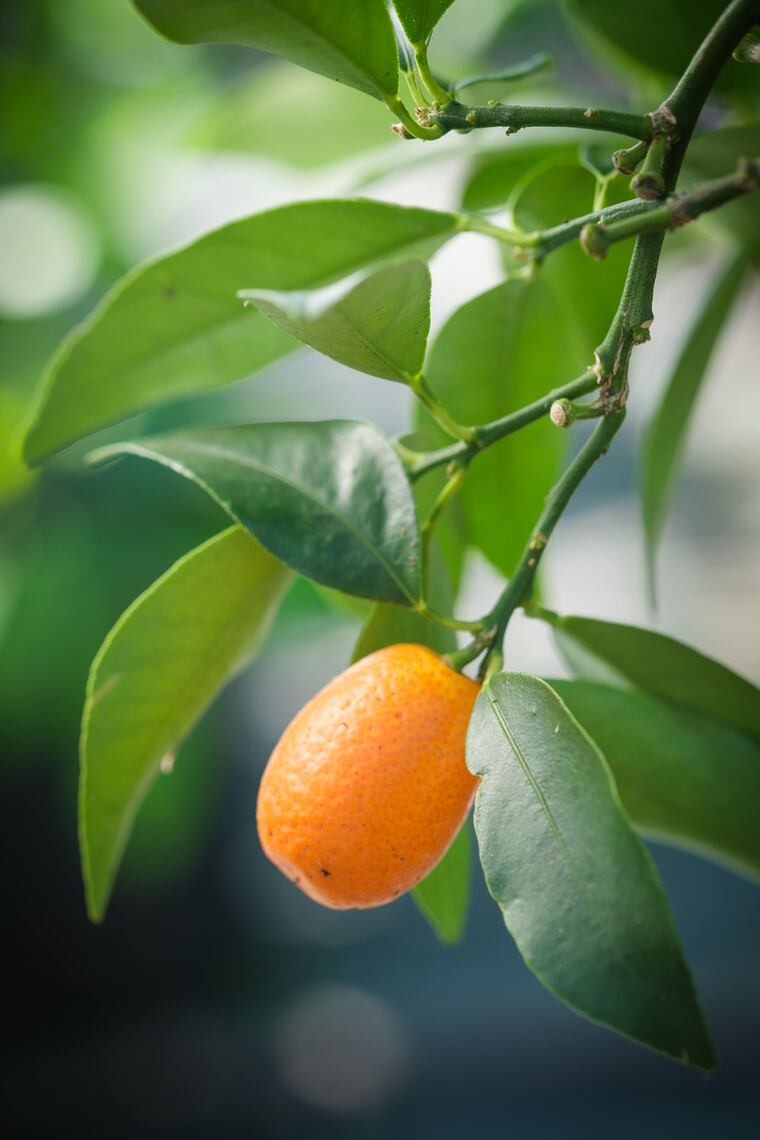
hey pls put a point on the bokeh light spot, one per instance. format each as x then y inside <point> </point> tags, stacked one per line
<point>338,1048</point>
<point>50,250</point>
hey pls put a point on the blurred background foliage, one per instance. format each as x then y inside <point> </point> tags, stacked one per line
<point>216,1000</point>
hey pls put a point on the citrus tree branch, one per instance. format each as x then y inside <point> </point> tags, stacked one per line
<point>418,463</point>
<point>675,211</point>
<point>456,116</point>
<point>520,585</point>
<point>631,323</point>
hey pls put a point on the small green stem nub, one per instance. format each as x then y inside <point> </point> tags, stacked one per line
<point>649,183</point>
<point>675,211</point>
<point>625,161</point>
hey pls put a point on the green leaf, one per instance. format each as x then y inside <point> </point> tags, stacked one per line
<point>666,668</point>
<point>330,499</point>
<point>577,888</point>
<point>176,325</point>
<point>443,896</point>
<point>495,176</point>
<point>660,37</point>
<point>663,440</point>
<point>239,118</point>
<point>682,777</point>
<point>392,625</point>
<point>379,325</point>
<point>14,474</point>
<point>350,43</point>
<point>157,671</point>
<point>495,354</point>
<point>715,154</point>
<point>586,291</point>
<point>419,17</point>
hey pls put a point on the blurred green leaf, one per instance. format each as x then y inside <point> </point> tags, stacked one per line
<point>664,438</point>
<point>715,154</point>
<point>495,354</point>
<point>351,44</point>
<point>14,475</point>
<point>175,325</point>
<point>666,668</point>
<point>597,159</point>
<point>520,340</point>
<point>578,890</point>
<point>316,124</point>
<point>419,17</point>
<point>682,778</point>
<point>660,37</point>
<point>443,896</point>
<point>158,670</point>
<point>330,499</point>
<point>495,175</point>
<point>392,625</point>
<point>586,291</point>
<point>378,325</point>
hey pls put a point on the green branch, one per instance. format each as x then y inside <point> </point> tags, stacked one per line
<point>458,117</point>
<point>630,326</point>
<point>678,210</point>
<point>520,585</point>
<point>538,243</point>
<point>418,463</point>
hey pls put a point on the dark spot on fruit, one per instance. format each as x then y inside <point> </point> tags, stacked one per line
<point>170,292</point>
<point>325,872</point>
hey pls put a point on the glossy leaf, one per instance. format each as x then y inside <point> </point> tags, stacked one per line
<point>378,325</point>
<point>682,778</point>
<point>443,896</point>
<point>157,671</point>
<point>330,499</point>
<point>419,17</point>
<point>351,43</point>
<point>666,668</point>
<point>665,436</point>
<point>577,888</point>
<point>176,324</point>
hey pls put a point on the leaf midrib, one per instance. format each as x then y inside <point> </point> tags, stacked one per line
<point>562,844</point>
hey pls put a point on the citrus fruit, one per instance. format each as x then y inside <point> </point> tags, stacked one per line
<point>368,786</point>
